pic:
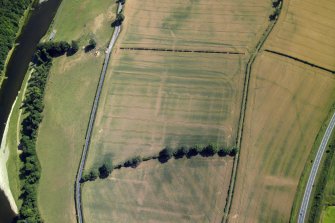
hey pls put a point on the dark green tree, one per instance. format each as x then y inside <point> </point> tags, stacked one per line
<point>105,170</point>
<point>165,154</point>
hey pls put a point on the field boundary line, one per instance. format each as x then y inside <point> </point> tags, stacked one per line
<point>179,50</point>
<point>242,114</point>
<point>91,121</point>
<point>300,60</point>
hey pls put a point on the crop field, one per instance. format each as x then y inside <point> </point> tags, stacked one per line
<point>195,24</point>
<point>187,190</point>
<point>68,99</point>
<point>307,31</point>
<point>287,104</point>
<point>154,99</point>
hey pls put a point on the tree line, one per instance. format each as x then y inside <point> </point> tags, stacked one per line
<point>33,106</point>
<point>163,156</point>
<point>10,15</point>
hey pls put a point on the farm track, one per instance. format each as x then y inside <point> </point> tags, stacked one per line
<point>242,115</point>
<point>91,122</point>
<point>301,61</point>
<point>181,51</point>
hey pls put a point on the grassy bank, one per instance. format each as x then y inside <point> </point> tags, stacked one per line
<point>307,169</point>
<point>68,99</point>
<point>14,162</point>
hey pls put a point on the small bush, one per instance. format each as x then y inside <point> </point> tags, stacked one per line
<point>133,162</point>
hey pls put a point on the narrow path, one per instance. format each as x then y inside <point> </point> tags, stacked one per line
<point>314,171</point>
<point>253,56</point>
<point>91,122</point>
<point>301,61</point>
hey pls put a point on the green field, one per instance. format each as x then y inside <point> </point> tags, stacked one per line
<point>186,190</point>
<point>328,215</point>
<point>68,99</point>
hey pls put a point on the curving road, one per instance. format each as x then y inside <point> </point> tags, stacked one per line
<point>91,122</point>
<point>316,164</point>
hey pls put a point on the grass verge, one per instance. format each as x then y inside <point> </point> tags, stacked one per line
<point>307,169</point>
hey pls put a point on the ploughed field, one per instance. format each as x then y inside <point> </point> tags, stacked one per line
<point>185,190</point>
<point>154,98</point>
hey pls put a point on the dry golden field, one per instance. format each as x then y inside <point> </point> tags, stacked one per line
<point>186,190</point>
<point>195,24</point>
<point>306,30</point>
<point>287,104</point>
<point>152,99</point>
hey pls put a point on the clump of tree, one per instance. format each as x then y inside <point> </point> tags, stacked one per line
<point>180,152</point>
<point>209,150</point>
<point>30,171</point>
<point>194,151</point>
<point>133,162</point>
<point>118,20</point>
<point>165,155</point>
<point>10,15</point>
<point>121,1</point>
<point>48,50</point>
<point>90,176</point>
<point>54,49</point>
<point>276,5</point>
<point>105,170</point>
<point>91,45</point>
<point>73,49</point>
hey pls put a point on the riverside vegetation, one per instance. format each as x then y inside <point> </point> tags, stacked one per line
<point>32,109</point>
<point>10,15</point>
<point>164,156</point>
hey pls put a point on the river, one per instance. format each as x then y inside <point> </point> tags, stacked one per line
<point>35,28</point>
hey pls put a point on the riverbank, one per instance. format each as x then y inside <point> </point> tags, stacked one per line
<point>22,22</point>
<point>4,155</point>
